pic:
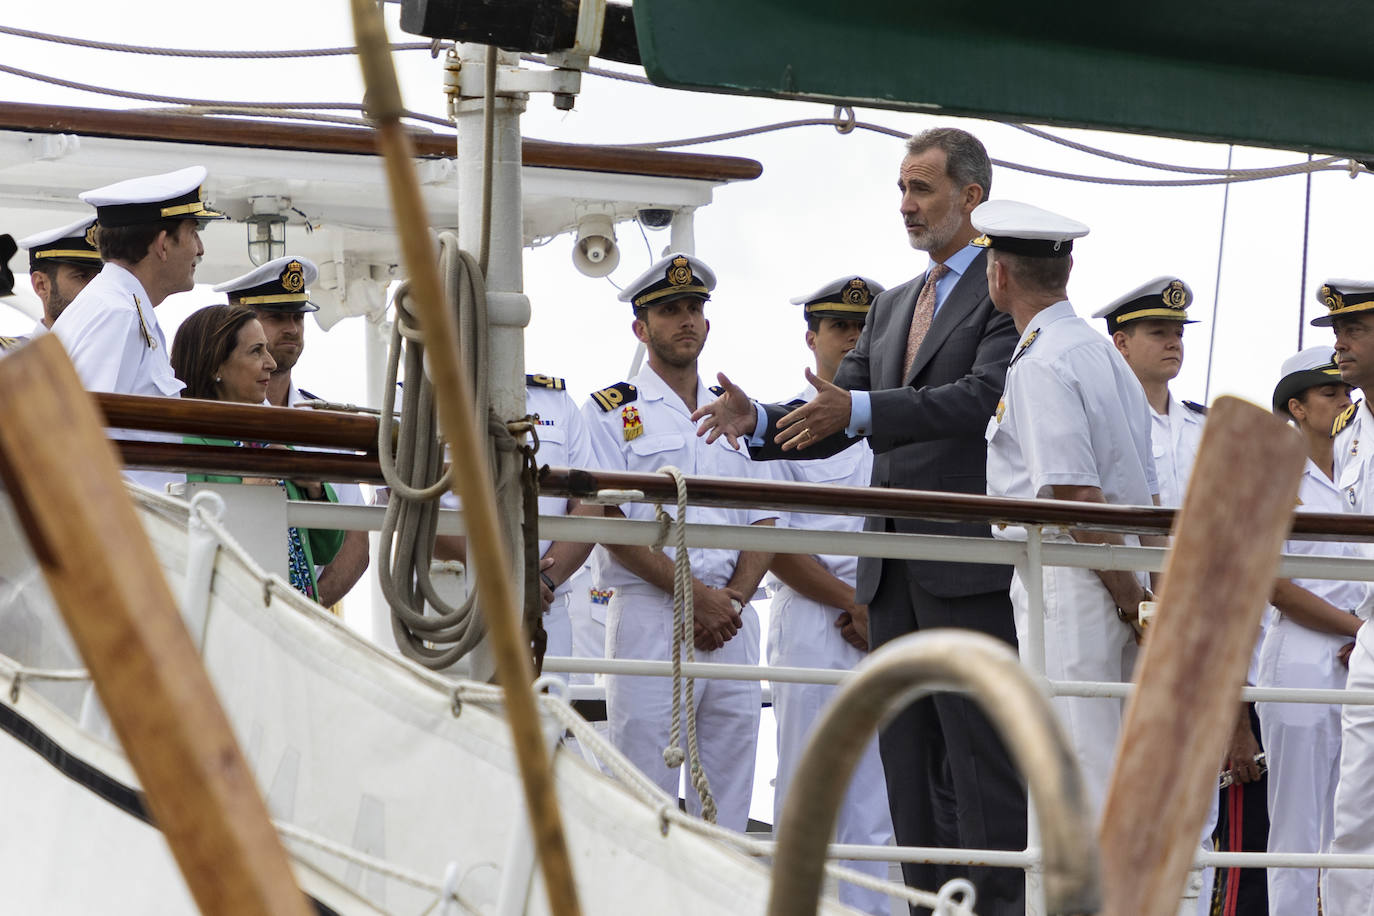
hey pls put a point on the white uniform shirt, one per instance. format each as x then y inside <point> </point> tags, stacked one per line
<point>563,442</point>
<point>1175,436</point>
<point>1072,414</point>
<point>852,467</point>
<point>1352,452</point>
<point>111,332</point>
<point>1318,494</point>
<point>668,437</point>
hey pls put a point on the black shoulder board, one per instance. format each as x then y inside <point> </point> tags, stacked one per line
<point>1195,407</point>
<point>716,390</point>
<point>308,396</point>
<point>544,381</point>
<point>610,398</point>
<point>1344,417</point>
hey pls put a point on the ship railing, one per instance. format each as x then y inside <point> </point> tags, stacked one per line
<point>1029,555</point>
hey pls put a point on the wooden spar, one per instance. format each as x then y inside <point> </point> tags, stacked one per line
<point>1221,569</point>
<point>292,426</point>
<point>472,481</point>
<point>61,473</point>
<point>179,127</point>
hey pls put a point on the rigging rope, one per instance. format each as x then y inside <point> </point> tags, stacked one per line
<point>844,125</point>
<point>684,616</point>
<point>205,53</point>
<point>1216,289</point>
<point>176,100</point>
<point>1306,236</point>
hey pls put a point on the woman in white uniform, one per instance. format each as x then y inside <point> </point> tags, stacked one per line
<point>1304,645</point>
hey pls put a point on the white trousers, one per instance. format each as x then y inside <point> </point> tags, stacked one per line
<point>1302,744</point>
<point>802,633</point>
<point>1084,641</point>
<point>1350,891</point>
<point>639,624</point>
<point>588,623</point>
<point>559,630</point>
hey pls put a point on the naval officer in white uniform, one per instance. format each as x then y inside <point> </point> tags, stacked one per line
<point>1073,424</point>
<point>814,621</point>
<point>1146,326</point>
<point>62,262</point>
<point>644,425</point>
<point>149,238</point>
<point>1350,304</point>
<point>1306,643</point>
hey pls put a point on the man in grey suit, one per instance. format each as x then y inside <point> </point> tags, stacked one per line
<point>920,385</point>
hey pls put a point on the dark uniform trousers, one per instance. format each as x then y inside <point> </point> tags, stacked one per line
<point>918,744</point>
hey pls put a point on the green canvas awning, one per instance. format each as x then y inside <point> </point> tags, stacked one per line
<point>1278,73</point>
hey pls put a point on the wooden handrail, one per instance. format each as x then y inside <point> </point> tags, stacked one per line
<point>928,505</point>
<point>293,426</point>
<point>249,462</point>
<point>179,127</point>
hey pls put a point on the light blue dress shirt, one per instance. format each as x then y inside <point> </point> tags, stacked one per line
<point>861,408</point>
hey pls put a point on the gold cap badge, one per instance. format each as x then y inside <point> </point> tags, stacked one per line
<point>1175,296</point>
<point>293,277</point>
<point>857,292</point>
<point>679,272</point>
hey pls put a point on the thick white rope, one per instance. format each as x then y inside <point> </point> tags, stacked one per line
<point>684,616</point>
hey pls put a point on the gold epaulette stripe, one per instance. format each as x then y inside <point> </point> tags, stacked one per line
<point>1344,417</point>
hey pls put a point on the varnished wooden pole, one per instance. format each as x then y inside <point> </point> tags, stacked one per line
<point>61,474</point>
<point>471,477</point>
<point>1221,569</point>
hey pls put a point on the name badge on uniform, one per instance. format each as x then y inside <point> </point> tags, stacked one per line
<point>631,426</point>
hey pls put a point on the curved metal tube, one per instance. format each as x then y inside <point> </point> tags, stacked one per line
<point>885,682</point>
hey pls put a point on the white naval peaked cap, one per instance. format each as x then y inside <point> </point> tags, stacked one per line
<point>1305,369</point>
<point>1343,297</point>
<point>1017,228</point>
<point>71,244</point>
<point>280,285</point>
<point>847,298</point>
<point>677,274</point>
<point>1165,298</point>
<point>138,201</point>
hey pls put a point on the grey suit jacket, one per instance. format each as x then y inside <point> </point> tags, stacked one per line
<point>928,426</point>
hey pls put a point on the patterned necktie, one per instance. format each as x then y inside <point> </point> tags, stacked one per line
<point>921,317</point>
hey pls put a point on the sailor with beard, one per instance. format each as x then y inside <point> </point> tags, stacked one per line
<point>149,239</point>
<point>644,425</point>
<point>61,263</point>
<point>814,621</point>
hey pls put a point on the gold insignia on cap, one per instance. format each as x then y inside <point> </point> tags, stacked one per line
<point>982,242</point>
<point>1175,296</point>
<point>857,292</point>
<point>679,271</point>
<point>293,277</point>
<point>91,235</point>
<point>1331,298</point>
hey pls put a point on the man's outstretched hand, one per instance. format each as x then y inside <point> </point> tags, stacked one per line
<point>731,415</point>
<point>822,416</point>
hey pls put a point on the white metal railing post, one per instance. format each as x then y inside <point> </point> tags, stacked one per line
<point>1033,656</point>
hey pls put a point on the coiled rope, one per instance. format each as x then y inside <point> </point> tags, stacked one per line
<point>684,615</point>
<point>414,470</point>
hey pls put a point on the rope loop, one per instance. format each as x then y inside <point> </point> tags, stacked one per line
<point>844,119</point>
<point>684,614</point>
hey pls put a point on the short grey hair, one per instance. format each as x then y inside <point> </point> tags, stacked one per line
<point>966,159</point>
